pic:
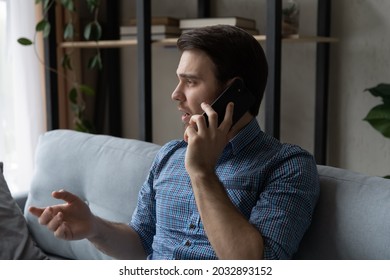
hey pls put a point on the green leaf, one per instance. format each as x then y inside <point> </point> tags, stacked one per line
<point>83,125</point>
<point>45,3</point>
<point>93,31</point>
<point>43,26</point>
<point>382,90</point>
<point>66,62</point>
<point>79,126</point>
<point>95,61</point>
<point>68,4</point>
<point>69,31</point>
<point>25,42</point>
<point>73,96</point>
<point>75,108</point>
<point>92,5</point>
<point>87,90</point>
<point>88,126</point>
<point>379,118</point>
<point>87,31</point>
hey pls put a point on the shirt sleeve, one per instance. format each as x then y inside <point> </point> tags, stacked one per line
<point>143,220</point>
<point>285,207</point>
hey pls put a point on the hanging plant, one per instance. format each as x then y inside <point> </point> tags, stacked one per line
<point>379,116</point>
<point>92,32</point>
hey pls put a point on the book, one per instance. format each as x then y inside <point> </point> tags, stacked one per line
<point>201,22</point>
<point>250,31</point>
<point>154,37</point>
<point>155,29</point>
<point>157,21</point>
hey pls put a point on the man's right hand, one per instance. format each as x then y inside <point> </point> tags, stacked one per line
<point>72,220</point>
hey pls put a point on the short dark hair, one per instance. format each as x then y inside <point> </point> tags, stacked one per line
<point>234,52</point>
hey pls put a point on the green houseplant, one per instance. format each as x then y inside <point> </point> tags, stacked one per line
<point>379,116</point>
<point>93,32</point>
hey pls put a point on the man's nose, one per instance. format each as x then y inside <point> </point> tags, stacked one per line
<point>177,94</point>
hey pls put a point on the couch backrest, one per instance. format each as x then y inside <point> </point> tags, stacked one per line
<point>351,220</point>
<point>105,171</point>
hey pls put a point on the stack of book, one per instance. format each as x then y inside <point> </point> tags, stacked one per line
<point>161,28</point>
<point>247,24</point>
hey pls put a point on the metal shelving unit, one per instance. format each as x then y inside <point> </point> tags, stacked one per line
<point>273,41</point>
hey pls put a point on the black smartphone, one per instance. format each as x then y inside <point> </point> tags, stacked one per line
<point>236,93</point>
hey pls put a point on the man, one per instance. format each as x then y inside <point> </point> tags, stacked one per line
<point>224,192</point>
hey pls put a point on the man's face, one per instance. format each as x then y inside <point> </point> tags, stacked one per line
<point>197,83</point>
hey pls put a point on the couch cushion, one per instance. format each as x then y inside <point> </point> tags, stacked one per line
<point>105,171</point>
<point>351,220</point>
<point>15,239</point>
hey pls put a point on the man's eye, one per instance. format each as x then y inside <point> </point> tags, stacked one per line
<point>190,82</point>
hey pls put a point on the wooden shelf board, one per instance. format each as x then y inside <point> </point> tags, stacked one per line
<point>262,38</point>
<point>172,42</point>
<point>310,39</point>
<point>300,39</point>
<point>99,44</point>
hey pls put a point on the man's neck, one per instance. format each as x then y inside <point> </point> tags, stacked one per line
<point>245,119</point>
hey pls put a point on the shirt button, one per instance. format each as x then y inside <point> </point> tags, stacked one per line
<point>192,226</point>
<point>188,243</point>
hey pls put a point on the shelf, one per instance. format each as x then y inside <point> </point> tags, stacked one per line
<point>309,39</point>
<point>321,39</point>
<point>99,44</point>
<point>172,42</point>
<point>262,38</point>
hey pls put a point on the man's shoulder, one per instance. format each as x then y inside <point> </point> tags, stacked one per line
<point>173,145</point>
<point>280,149</point>
<point>170,148</point>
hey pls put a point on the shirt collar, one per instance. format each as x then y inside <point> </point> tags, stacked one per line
<point>245,136</point>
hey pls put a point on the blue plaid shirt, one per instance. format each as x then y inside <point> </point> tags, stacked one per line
<point>275,186</point>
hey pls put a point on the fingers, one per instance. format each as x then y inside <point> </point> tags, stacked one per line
<point>213,116</point>
<point>228,118</point>
<point>64,195</point>
<point>37,212</point>
<point>61,194</point>
<point>52,220</point>
<point>54,223</point>
<point>47,216</point>
<point>189,132</point>
<point>63,232</point>
<point>197,123</point>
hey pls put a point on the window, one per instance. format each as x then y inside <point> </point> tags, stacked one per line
<point>22,117</point>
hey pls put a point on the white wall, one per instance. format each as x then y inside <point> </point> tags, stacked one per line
<point>359,60</point>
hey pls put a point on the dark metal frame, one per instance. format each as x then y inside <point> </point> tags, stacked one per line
<point>322,83</point>
<point>144,69</point>
<point>273,95</point>
<point>274,58</point>
<point>51,82</point>
<point>111,69</point>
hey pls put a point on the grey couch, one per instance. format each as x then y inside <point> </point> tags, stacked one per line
<point>351,220</point>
